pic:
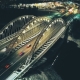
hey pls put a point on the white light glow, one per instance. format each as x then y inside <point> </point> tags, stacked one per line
<point>3,50</point>
<point>24,31</point>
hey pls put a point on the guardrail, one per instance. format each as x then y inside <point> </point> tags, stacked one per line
<point>16,74</point>
<point>53,40</point>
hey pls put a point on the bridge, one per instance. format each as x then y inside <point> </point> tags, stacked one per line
<point>24,40</point>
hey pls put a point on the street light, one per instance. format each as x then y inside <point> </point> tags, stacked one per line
<point>28,27</point>
<point>31,23</point>
<point>23,17</point>
<point>6,28</point>
<point>19,37</point>
<point>44,19</point>
<point>33,17</point>
<point>24,31</point>
<point>39,41</point>
<point>38,19</point>
<point>41,19</point>
<point>52,22</point>
<point>47,29</point>
<point>43,34</point>
<point>16,42</point>
<point>26,16</point>
<point>55,21</point>
<point>23,34</point>
<point>20,18</point>
<point>3,50</point>
<point>35,21</point>
<point>11,23</point>
<point>50,25</point>
<point>61,21</point>
<point>48,20</point>
<point>1,33</point>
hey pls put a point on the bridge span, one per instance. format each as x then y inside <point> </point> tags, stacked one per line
<point>34,38</point>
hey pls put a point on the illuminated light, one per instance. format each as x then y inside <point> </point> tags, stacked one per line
<point>75,11</point>
<point>1,33</point>
<point>41,19</point>
<point>31,23</point>
<point>50,25</point>
<point>44,19</point>
<point>61,21</point>
<point>28,27</point>
<point>24,5</point>
<point>43,34</point>
<point>48,20</point>
<point>15,42</point>
<point>39,41</point>
<point>6,28</point>
<point>19,37</point>
<point>3,50</point>
<point>56,56</point>
<point>47,29</point>
<point>31,5</point>
<point>20,18</point>
<point>11,23</point>
<point>35,21</point>
<point>23,17</point>
<point>33,17</point>
<point>71,10</point>
<point>40,4</point>
<point>36,4</point>
<point>38,19</point>
<point>26,16</point>
<point>20,4</point>
<point>44,4</point>
<point>55,21</point>
<point>24,31</point>
<point>52,22</point>
<point>27,6</point>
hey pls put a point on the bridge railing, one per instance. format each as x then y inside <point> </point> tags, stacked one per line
<point>14,21</point>
<point>27,64</point>
<point>35,44</point>
<point>8,38</point>
<point>19,32</point>
<point>53,40</point>
<point>14,26</point>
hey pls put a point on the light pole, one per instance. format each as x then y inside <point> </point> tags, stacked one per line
<point>24,34</point>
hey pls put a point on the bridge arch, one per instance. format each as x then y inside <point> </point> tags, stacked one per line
<point>24,29</point>
<point>54,26</point>
<point>15,25</point>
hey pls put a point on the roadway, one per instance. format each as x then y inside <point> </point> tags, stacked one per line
<point>31,32</point>
<point>45,45</point>
<point>15,59</point>
<point>48,33</point>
